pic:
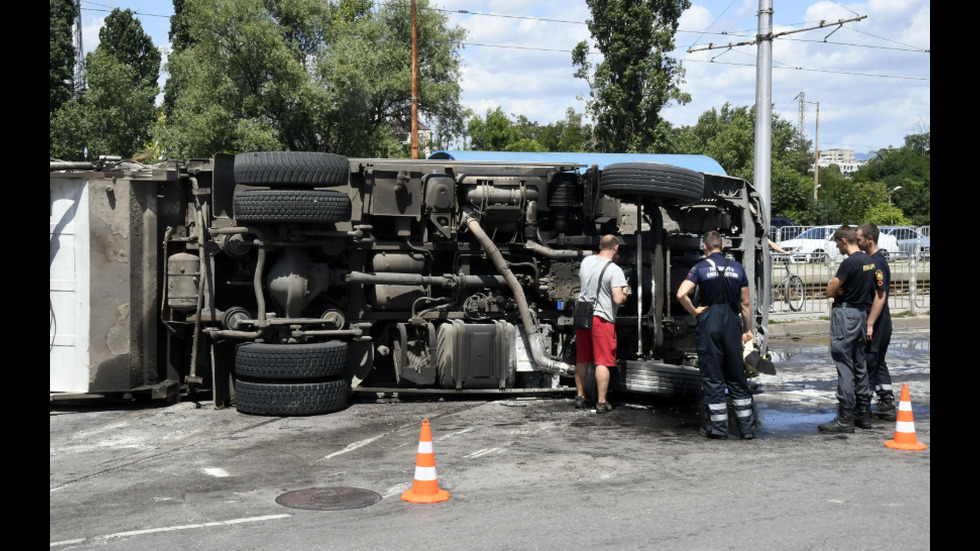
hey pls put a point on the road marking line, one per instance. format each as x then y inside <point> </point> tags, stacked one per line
<point>482,452</point>
<point>352,446</point>
<point>171,529</point>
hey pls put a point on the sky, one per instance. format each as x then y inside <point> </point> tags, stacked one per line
<point>865,83</point>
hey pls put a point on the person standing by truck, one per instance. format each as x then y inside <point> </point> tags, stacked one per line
<point>724,291</point>
<point>599,343</point>
<point>879,332</point>
<point>851,290</point>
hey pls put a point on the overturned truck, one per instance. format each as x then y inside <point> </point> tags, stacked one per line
<point>285,282</point>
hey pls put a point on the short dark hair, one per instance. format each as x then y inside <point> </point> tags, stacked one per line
<point>846,233</point>
<point>870,229</point>
<point>713,240</point>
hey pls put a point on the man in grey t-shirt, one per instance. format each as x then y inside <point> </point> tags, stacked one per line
<point>599,343</point>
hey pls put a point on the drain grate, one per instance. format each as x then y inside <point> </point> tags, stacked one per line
<point>329,499</point>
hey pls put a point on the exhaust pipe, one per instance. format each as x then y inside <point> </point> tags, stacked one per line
<point>544,361</point>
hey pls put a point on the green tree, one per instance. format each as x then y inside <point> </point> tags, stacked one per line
<point>635,79</point>
<point>68,132</point>
<point>308,75</point>
<point>119,117</point>
<point>180,37</point>
<point>567,135</point>
<point>841,200</point>
<point>492,133</point>
<point>62,52</point>
<point>906,170</point>
<point>122,37</point>
<point>115,114</point>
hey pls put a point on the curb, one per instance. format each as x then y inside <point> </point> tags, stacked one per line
<point>821,326</point>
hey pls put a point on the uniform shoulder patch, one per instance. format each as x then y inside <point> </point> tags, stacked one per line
<point>879,277</point>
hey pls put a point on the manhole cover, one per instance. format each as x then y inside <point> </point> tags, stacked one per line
<point>329,499</point>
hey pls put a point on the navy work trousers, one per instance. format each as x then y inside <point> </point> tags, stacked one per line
<point>719,338</point>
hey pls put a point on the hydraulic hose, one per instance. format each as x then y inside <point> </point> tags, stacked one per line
<point>544,361</point>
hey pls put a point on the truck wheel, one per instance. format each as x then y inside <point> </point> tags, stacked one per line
<point>291,205</point>
<point>291,168</point>
<point>297,362</point>
<point>656,379</point>
<point>631,180</point>
<point>291,399</point>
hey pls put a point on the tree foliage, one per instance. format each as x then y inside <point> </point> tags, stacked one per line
<point>635,79</point>
<point>115,114</point>
<point>492,133</point>
<point>62,52</point>
<point>180,38</point>
<point>308,75</point>
<point>122,37</point>
<point>904,174</point>
<point>497,132</point>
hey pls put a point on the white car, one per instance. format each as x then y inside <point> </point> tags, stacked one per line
<point>910,240</point>
<point>817,245</point>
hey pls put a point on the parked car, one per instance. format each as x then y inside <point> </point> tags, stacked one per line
<point>910,240</point>
<point>817,245</point>
<point>782,228</point>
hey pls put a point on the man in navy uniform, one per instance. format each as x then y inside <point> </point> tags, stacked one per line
<point>724,290</point>
<point>851,289</point>
<point>879,333</point>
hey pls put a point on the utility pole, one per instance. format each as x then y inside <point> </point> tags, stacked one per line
<point>79,52</point>
<point>763,111</point>
<point>816,155</point>
<point>802,132</point>
<point>415,87</point>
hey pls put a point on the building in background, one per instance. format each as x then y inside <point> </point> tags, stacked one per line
<point>425,139</point>
<point>844,158</point>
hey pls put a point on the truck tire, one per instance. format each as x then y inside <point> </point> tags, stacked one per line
<point>291,399</point>
<point>655,379</point>
<point>653,180</point>
<point>291,205</point>
<point>291,168</point>
<point>290,362</point>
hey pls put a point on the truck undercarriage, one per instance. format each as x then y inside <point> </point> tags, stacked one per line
<point>286,281</point>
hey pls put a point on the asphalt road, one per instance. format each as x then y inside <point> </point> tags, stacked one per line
<point>522,474</point>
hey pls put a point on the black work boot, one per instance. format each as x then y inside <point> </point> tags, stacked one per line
<point>715,429</point>
<point>862,413</point>
<point>886,410</point>
<point>844,422</point>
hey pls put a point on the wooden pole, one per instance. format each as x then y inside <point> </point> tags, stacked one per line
<point>415,87</point>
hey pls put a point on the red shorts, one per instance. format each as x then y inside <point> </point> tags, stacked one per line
<point>596,345</point>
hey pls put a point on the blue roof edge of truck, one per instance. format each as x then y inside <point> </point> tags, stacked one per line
<point>697,163</point>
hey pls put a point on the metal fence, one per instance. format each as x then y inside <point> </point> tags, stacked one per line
<point>910,283</point>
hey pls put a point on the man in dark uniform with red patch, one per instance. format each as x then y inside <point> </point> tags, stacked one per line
<point>879,326</point>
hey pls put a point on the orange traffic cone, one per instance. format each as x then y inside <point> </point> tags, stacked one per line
<point>425,487</point>
<point>904,425</point>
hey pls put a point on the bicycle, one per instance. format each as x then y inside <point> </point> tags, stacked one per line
<point>790,288</point>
